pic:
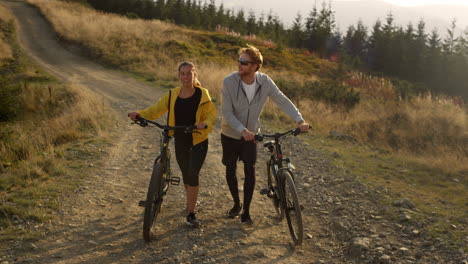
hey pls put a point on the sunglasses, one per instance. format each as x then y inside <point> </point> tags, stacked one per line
<point>244,62</point>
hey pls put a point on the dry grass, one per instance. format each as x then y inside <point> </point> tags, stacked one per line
<point>428,135</point>
<point>32,165</point>
<point>427,129</point>
<point>212,76</point>
<point>46,119</point>
<point>73,114</point>
<point>432,128</point>
<point>371,87</point>
<point>5,15</point>
<point>5,49</point>
<point>132,43</point>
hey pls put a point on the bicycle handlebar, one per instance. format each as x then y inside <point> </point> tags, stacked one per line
<point>296,131</point>
<point>144,123</point>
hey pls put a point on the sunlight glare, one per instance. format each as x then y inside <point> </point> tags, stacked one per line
<point>426,2</point>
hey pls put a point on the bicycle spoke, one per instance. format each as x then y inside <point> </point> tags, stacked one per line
<point>272,185</point>
<point>293,210</point>
<point>153,201</point>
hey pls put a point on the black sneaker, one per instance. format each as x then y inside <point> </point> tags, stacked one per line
<point>235,210</point>
<point>245,219</point>
<point>192,220</point>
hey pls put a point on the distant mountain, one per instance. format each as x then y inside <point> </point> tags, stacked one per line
<point>440,17</point>
<point>348,12</point>
<point>444,11</point>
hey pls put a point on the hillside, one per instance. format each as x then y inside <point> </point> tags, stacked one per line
<point>356,210</point>
<point>40,117</point>
<point>152,48</point>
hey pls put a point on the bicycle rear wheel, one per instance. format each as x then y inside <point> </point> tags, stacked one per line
<point>274,191</point>
<point>153,200</point>
<point>293,208</point>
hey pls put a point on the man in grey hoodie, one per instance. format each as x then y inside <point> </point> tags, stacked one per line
<point>244,94</point>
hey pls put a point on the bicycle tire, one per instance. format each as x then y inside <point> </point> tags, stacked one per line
<point>293,208</point>
<point>153,200</point>
<point>273,186</point>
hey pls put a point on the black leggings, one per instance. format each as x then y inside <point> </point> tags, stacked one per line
<point>234,150</point>
<point>190,158</point>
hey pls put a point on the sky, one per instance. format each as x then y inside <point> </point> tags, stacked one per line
<point>393,2</point>
<point>422,2</point>
<point>436,13</point>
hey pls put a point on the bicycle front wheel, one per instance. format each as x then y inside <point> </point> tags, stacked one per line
<point>273,186</point>
<point>153,200</point>
<point>292,208</point>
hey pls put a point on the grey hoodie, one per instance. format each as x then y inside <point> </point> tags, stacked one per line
<point>239,114</point>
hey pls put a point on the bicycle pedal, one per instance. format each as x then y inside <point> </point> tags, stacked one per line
<point>264,191</point>
<point>174,181</point>
<point>142,203</point>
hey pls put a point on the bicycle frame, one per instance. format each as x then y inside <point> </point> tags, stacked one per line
<point>164,147</point>
<point>161,176</point>
<point>277,161</point>
<point>277,158</point>
<point>282,190</point>
<point>165,160</point>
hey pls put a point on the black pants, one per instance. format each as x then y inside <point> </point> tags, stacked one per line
<point>190,158</point>
<point>246,151</point>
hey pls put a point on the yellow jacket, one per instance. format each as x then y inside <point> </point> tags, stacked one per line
<point>206,112</point>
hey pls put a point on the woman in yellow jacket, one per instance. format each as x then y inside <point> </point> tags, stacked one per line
<point>189,104</point>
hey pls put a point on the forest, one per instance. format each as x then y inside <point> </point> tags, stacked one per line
<point>418,61</point>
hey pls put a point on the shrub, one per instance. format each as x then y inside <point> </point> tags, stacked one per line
<point>9,100</point>
<point>292,89</point>
<point>407,90</point>
<point>330,92</point>
<point>333,92</point>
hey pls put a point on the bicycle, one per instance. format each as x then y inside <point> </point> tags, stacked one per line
<point>281,185</point>
<point>161,176</point>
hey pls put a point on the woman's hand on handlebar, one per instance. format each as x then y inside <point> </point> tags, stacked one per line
<point>133,115</point>
<point>201,125</point>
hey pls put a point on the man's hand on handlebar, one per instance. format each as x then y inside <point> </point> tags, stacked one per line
<point>303,125</point>
<point>247,135</point>
<point>133,115</point>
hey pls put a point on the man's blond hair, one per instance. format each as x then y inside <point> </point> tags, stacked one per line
<point>254,54</point>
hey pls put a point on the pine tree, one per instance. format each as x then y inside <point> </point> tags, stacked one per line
<point>319,29</point>
<point>261,25</point>
<point>433,62</point>
<point>180,13</point>
<point>209,16</point>
<point>169,11</point>
<point>239,22</point>
<point>159,9</point>
<point>355,42</point>
<point>419,51</point>
<point>269,25</point>
<point>251,23</point>
<point>221,17</point>
<point>375,47</point>
<point>296,35</point>
<point>449,41</point>
<point>456,64</point>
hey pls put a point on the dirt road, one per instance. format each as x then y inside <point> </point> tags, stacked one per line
<point>102,223</point>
